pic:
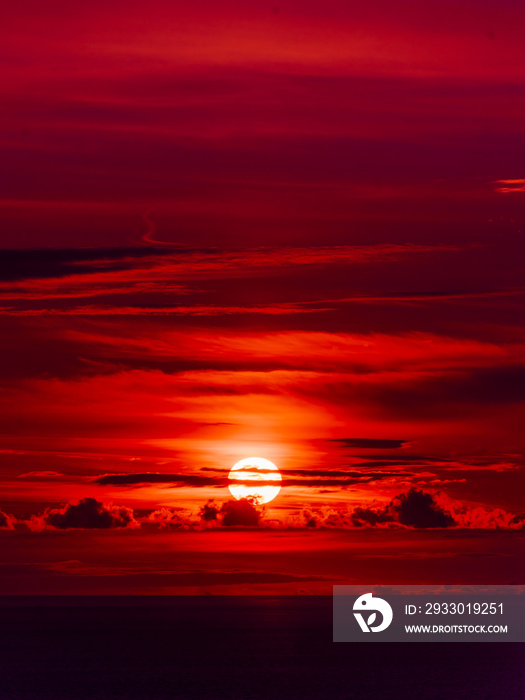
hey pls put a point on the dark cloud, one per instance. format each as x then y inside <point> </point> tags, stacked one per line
<point>368,516</point>
<point>360,477</point>
<point>451,392</point>
<point>371,443</point>
<point>144,479</point>
<point>322,477</point>
<point>394,459</point>
<point>88,513</point>
<point>415,509</point>
<point>421,510</point>
<point>390,463</point>
<point>210,511</point>
<point>495,385</point>
<point>194,480</point>
<point>7,522</point>
<point>56,263</point>
<point>18,265</point>
<point>241,512</point>
<point>232,513</point>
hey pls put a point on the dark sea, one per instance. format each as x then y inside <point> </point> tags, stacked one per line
<point>243,648</point>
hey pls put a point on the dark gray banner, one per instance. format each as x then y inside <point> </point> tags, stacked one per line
<point>381,613</point>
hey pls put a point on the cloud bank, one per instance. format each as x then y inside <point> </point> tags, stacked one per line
<point>413,509</point>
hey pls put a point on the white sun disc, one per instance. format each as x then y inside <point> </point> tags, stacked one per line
<point>253,469</point>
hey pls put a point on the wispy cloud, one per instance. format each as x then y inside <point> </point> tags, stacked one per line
<point>510,186</point>
<point>195,310</point>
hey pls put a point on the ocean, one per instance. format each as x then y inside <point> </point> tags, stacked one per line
<point>235,647</point>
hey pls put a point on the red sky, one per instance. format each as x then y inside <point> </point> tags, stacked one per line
<point>292,231</point>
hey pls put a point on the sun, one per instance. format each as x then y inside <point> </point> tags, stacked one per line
<point>254,469</point>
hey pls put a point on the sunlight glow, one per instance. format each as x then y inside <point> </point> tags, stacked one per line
<point>254,469</point>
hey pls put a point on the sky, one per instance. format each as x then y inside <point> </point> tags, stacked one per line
<point>292,231</point>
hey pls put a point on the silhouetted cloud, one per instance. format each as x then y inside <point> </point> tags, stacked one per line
<point>232,513</point>
<point>193,480</point>
<point>368,516</point>
<point>415,509</point>
<point>88,513</point>
<point>420,510</point>
<point>210,511</point>
<point>149,478</point>
<point>241,512</point>
<point>7,522</point>
<point>50,263</point>
<point>371,443</point>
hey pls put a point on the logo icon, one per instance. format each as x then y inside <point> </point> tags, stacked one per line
<point>368,604</point>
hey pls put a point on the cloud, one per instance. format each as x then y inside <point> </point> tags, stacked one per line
<point>232,513</point>
<point>149,478</point>
<point>40,475</point>
<point>7,522</point>
<point>451,391</point>
<point>420,510</point>
<point>325,516</point>
<point>338,474</point>
<point>312,478</point>
<point>371,443</point>
<point>369,516</point>
<point>479,517</point>
<point>167,518</point>
<point>415,509</point>
<point>18,265</point>
<point>508,186</point>
<point>159,273</point>
<point>242,512</point>
<point>88,513</point>
<point>195,310</point>
<point>410,298</point>
<point>58,263</point>
<point>210,511</point>
<point>302,362</point>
